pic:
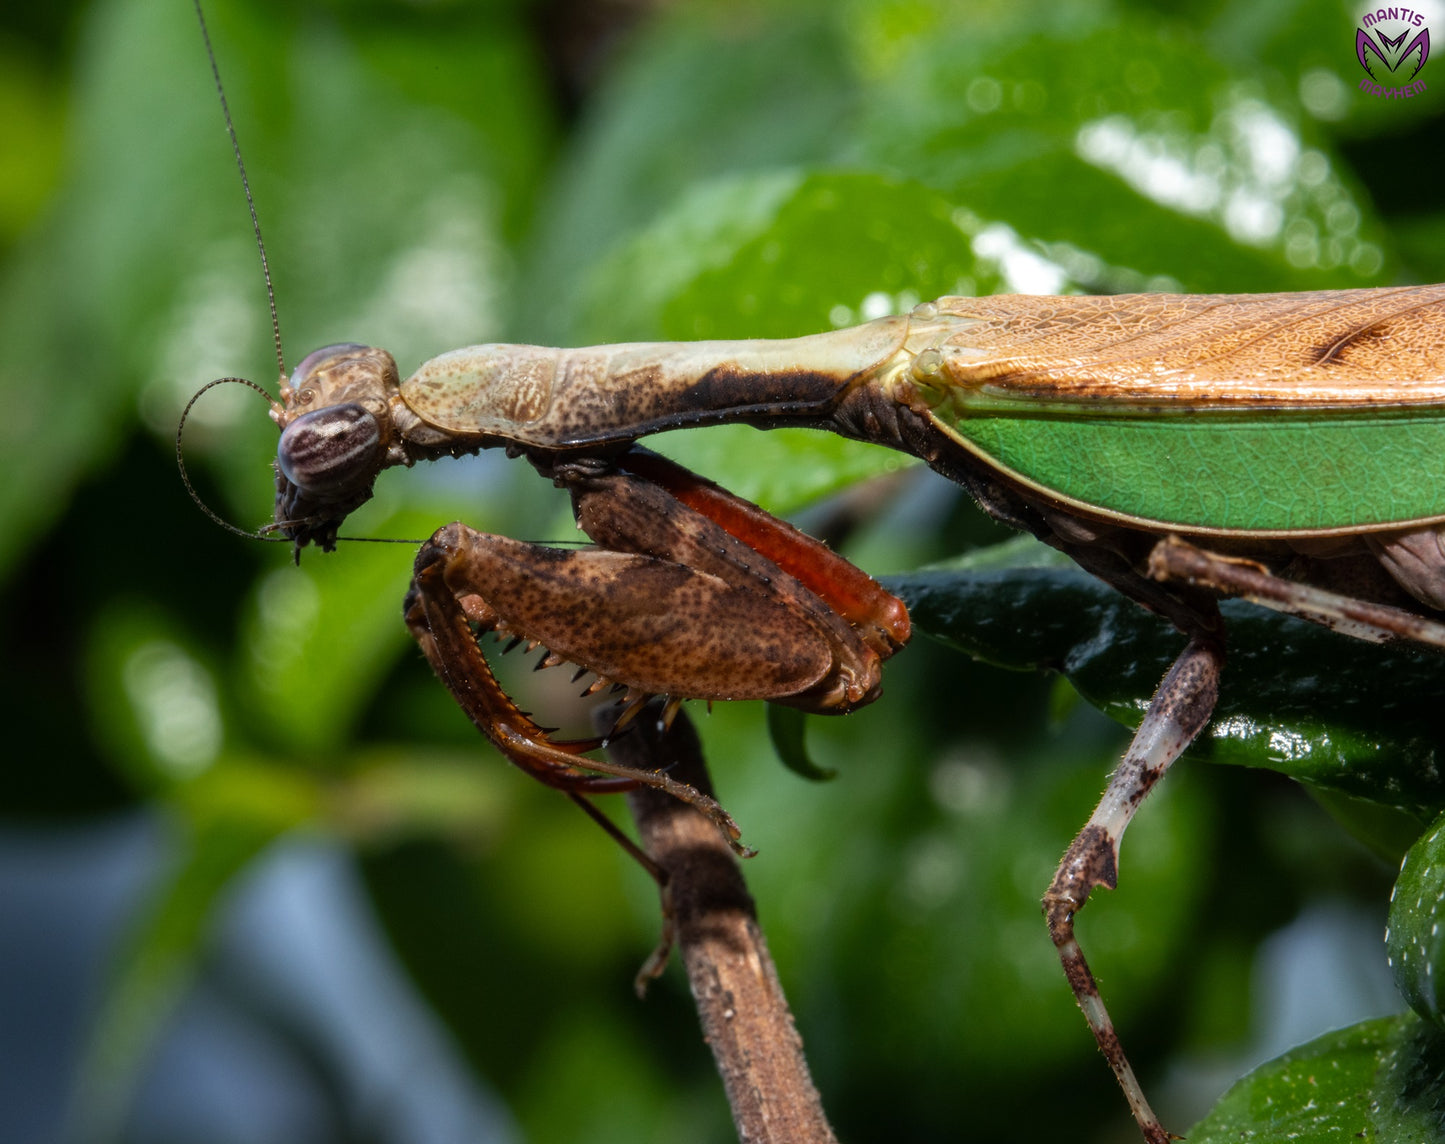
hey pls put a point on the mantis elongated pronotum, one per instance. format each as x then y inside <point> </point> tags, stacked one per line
<point>1178,447</point>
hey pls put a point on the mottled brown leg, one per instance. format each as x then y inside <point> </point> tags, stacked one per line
<point>1178,712</point>
<point>1181,562</point>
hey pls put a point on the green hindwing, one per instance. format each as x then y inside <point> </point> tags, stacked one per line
<point>1266,471</point>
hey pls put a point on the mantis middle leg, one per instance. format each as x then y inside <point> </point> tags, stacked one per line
<point>1179,710</point>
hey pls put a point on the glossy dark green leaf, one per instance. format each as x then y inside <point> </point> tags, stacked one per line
<point>1414,939</point>
<point>1381,1081</point>
<point>1358,718</point>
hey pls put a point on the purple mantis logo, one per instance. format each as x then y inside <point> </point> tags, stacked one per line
<point>1375,47</point>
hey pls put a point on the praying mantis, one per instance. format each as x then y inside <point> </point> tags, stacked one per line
<point>694,593</point>
<point>976,388</point>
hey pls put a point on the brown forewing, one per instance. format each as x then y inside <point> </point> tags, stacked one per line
<point>1328,347</point>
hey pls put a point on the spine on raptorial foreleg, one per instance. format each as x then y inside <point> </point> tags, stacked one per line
<point>541,397</point>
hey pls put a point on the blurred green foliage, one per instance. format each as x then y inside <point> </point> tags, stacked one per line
<point>434,175</point>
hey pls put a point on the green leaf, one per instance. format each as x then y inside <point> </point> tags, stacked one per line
<point>943,892</point>
<point>1119,147</point>
<point>1413,939</point>
<point>780,254</point>
<point>1386,831</point>
<point>1381,1080</point>
<point>316,640</point>
<point>1313,45</point>
<point>30,150</point>
<point>431,175</point>
<point>670,118</point>
<point>786,728</point>
<point>1358,718</point>
<point>153,700</point>
<point>777,255</point>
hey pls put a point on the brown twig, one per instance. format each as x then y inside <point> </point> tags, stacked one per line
<point>744,1015</point>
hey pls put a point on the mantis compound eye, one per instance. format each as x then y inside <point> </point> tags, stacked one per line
<point>332,450</point>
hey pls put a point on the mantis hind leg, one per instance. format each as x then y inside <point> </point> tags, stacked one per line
<point>1177,561</point>
<point>1177,713</point>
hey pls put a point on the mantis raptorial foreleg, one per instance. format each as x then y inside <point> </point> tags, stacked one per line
<point>1179,710</point>
<point>688,594</point>
<point>440,618</point>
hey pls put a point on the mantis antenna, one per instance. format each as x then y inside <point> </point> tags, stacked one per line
<point>270,299</point>
<point>181,460</point>
<point>260,534</point>
<point>245,186</point>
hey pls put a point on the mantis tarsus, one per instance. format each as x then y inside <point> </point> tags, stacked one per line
<point>1143,398</point>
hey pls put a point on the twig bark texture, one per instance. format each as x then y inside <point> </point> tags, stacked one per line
<point>745,1017</point>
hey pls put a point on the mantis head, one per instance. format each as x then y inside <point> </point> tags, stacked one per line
<point>337,434</point>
